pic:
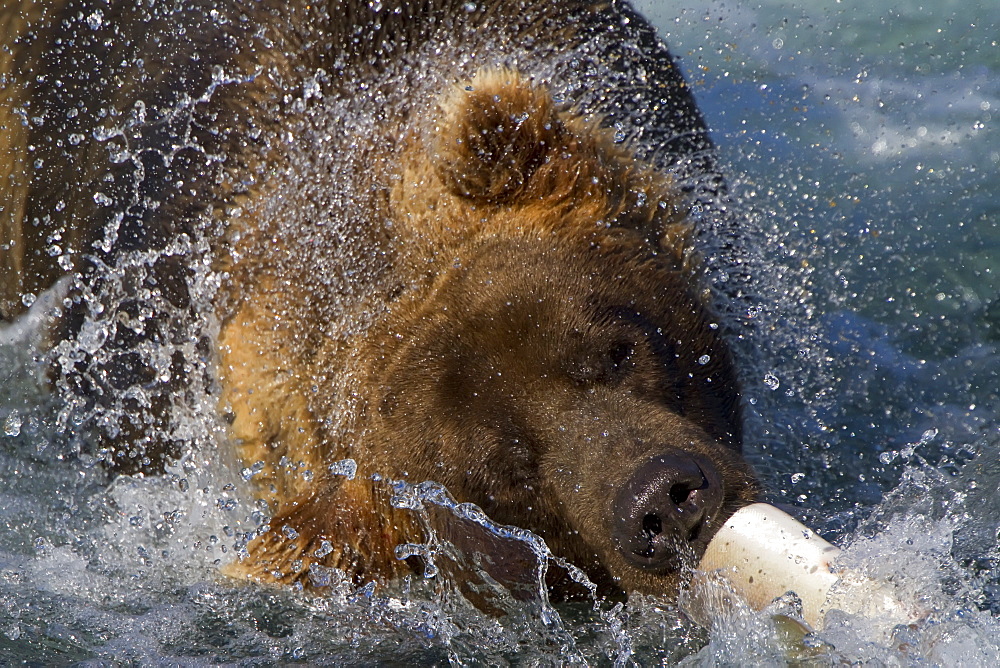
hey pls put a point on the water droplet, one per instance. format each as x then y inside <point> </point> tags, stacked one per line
<point>345,467</point>
<point>323,550</point>
<point>704,359</point>
<point>405,501</point>
<point>251,471</point>
<point>12,425</point>
<point>92,336</point>
<point>289,532</point>
<point>772,381</point>
<point>407,550</point>
<point>28,298</point>
<point>226,504</point>
<point>310,89</point>
<point>95,19</point>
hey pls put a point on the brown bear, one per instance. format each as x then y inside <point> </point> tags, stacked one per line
<point>400,242</point>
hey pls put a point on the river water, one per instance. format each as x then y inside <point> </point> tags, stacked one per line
<point>862,141</point>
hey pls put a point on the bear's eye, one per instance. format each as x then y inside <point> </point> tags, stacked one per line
<point>620,355</point>
<point>607,366</point>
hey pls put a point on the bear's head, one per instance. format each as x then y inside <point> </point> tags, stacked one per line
<point>558,368</point>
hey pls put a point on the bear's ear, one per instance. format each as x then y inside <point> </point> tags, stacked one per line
<point>492,135</point>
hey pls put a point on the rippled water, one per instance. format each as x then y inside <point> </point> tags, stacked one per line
<point>864,137</point>
<point>861,139</point>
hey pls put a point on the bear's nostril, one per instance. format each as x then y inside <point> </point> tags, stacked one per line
<point>651,525</point>
<point>679,494</point>
<point>651,528</point>
<point>662,509</point>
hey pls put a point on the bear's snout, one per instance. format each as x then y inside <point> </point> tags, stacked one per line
<point>660,514</point>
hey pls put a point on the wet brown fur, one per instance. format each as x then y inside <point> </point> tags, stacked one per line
<point>536,322</point>
<point>530,239</point>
